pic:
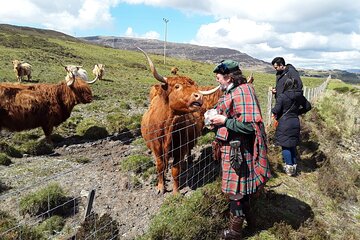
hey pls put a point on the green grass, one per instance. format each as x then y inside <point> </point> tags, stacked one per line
<point>42,200</point>
<point>137,163</point>
<point>4,159</point>
<point>17,231</point>
<point>198,216</point>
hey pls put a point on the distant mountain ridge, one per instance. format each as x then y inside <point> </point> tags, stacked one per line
<point>210,55</point>
<point>182,50</point>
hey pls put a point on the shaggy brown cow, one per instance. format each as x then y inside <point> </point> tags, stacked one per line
<point>24,107</point>
<point>170,125</point>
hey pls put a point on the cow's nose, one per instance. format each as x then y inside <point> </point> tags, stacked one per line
<point>197,96</point>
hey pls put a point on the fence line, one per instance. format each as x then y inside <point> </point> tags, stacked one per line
<point>311,95</point>
<point>196,174</point>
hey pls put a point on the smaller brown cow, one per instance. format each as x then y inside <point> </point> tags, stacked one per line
<point>21,70</point>
<point>99,71</point>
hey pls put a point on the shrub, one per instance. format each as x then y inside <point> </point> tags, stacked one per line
<point>95,132</point>
<point>198,216</point>
<point>95,227</point>
<point>206,139</point>
<point>82,159</point>
<point>17,231</point>
<point>4,159</point>
<point>41,201</point>
<point>22,137</point>
<point>343,180</point>
<point>88,128</point>
<point>140,142</point>
<point>136,163</point>
<point>37,148</point>
<point>51,225</point>
<point>9,150</point>
<point>119,122</point>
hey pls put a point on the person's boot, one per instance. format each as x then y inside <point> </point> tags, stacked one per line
<point>250,218</point>
<point>235,228</point>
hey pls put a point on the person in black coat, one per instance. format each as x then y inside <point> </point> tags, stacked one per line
<point>289,105</point>
<point>283,72</point>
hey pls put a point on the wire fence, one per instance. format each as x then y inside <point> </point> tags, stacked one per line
<point>197,169</point>
<point>113,192</point>
<point>311,95</point>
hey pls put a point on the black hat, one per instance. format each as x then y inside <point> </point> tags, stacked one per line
<point>226,67</point>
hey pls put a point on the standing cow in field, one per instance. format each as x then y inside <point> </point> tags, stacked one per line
<point>21,70</point>
<point>99,71</point>
<point>174,70</point>
<point>171,125</point>
<point>24,107</point>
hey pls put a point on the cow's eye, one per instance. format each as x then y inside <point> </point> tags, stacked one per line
<point>177,86</point>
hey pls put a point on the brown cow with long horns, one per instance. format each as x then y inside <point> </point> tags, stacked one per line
<point>24,107</point>
<point>170,126</point>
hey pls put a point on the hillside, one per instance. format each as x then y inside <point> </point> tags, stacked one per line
<point>11,29</point>
<point>100,147</point>
<point>184,51</point>
<point>211,55</point>
<point>346,76</point>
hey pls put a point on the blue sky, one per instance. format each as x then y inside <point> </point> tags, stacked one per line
<point>321,34</point>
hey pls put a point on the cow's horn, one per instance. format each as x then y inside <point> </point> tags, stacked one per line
<point>71,82</point>
<point>93,81</point>
<point>211,91</point>
<point>153,70</point>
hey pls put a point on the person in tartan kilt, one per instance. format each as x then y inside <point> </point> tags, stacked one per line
<point>241,133</point>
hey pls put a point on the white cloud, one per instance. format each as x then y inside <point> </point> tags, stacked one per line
<point>151,35</point>
<point>61,15</point>
<point>129,32</point>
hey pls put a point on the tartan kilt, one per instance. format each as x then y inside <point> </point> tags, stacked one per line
<point>252,174</point>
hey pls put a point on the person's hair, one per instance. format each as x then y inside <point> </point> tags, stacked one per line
<point>290,83</point>
<point>279,61</point>
<point>237,77</point>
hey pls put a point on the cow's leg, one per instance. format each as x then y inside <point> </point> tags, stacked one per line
<point>175,172</point>
<point>160,167</point>
<point>29,77</point>
<point>48,130</point>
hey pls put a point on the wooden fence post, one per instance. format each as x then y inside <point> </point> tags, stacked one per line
<point>91,197</point>
<point>269,105</point>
